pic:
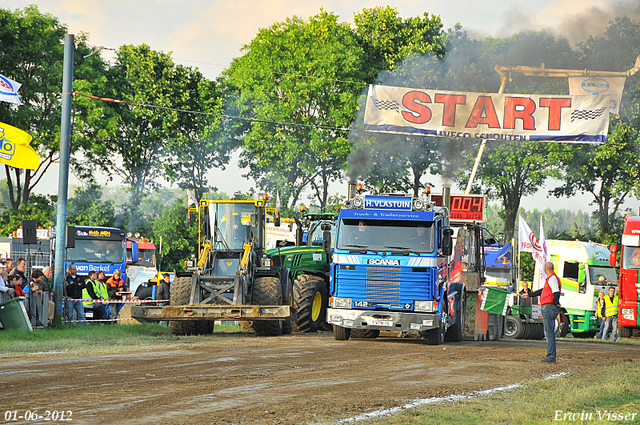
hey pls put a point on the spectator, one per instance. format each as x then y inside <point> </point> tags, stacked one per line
<point>96,290</point>
<point>74,285</point>
<point>525,302</point>
<point>611,314</point>
<point>14,283</point>
<point>164,289</point>
<point>21,265</point>
<point>4,281</point>
<point>600,313</point>
<point>10,266</point>
<point>115,284</point>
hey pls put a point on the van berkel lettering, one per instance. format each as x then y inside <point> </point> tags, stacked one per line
<point>383,262</point>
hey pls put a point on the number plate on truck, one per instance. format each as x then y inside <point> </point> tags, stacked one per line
<point>362,304</point>
<point>380,322</point>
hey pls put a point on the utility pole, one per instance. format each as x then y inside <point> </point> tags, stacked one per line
<point>63,176</point>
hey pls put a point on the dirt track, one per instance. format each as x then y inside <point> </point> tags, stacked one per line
<point>241,379</point>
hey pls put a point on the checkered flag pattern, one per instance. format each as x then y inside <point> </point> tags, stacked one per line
<point>385,105</point>
<point>586,115</point>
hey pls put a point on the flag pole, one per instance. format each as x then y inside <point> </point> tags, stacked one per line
<point>63,176</point>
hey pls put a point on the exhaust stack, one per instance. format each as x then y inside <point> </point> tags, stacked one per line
<point>446,201</point>
<point>351,191</point>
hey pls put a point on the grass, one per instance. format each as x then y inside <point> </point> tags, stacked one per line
<point>538,402</point>
<point>93,338</point>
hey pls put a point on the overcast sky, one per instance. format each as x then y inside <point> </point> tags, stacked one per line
<point>208,34</point>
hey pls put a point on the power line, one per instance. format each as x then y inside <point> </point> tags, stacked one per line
<point>188,111</point>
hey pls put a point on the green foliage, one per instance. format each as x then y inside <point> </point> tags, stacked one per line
<point>178,241</point>
<point>87,208</point>
<point>40,208</point>
<point>32,54</point>
<point>293,77</point>
<point>142,144</point>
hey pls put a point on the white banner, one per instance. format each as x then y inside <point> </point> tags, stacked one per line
<point>9,90</point>
<point>487,116</point>
<point>611,86</point>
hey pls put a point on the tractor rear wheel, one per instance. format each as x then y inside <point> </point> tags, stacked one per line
<point>310,301</point>
<point>180,295</point>
<point>365,333</point>
<point>267,291</point>
<point>456,332</point>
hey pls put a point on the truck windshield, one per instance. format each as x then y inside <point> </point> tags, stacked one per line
<point>96,251</point>
<point>232,221</point>
<point>386,235</point>
<point>600,275</point>
<point>630,257</point>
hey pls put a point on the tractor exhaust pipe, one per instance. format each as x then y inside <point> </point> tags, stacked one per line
<point>446,201</point>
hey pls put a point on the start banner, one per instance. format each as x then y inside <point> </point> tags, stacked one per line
<point>578,119</point>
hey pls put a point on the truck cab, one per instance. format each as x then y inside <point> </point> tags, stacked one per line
<point>629,295</point>
<point>390,270</point>
<point>584,270</point>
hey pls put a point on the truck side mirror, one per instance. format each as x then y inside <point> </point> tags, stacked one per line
<point>447,241</point>
<point>277,221</point>
<point>582,275</point>
<point>326,237</point>
<point>612,256</point>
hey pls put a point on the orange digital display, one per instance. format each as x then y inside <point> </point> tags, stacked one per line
<point>465,208</point>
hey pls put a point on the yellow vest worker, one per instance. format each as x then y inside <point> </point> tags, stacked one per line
<point>610,306</point>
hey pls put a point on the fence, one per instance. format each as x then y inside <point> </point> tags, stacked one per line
<point>37,308</point>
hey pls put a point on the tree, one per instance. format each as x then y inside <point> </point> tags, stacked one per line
<point>86,208</point>
<point>610,172</point>
<point>178,241</point>
<point>32,54</point>
<point>296,85</point>
<point>40,208</point>
<point>140,143</point>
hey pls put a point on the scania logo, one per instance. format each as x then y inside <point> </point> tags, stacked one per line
<point>383,262</point>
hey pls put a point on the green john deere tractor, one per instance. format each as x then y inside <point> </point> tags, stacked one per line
<point>308,262</point>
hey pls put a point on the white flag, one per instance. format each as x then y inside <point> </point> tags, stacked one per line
<point>191,198</point>
<point>277,203</point>
<point>9,90</point>
<point>544,254</point>
<point>529,243</point>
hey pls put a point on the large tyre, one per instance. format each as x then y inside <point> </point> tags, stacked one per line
<point>365,333</point>
<point>624,332</point>
<point>514,328</point>
<point>267,291</point>
<point>584,335</point>
<point>340,333</point>
<point>180,295</point>
<point>204,327</point>
<point>310,302</point>
<point>540,328</point>
<point>456,332</point>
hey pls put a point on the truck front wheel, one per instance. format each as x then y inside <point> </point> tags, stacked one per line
<point>340,333</point>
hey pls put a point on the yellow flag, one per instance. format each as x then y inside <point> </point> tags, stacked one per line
<point>15,150</point>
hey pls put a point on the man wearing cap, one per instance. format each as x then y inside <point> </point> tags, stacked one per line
<point>164,288</point>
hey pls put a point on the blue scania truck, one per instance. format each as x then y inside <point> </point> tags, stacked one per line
<point>391,270</point>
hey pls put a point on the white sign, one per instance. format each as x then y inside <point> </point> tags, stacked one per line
<point>578,119</point>
<point>612,86</point>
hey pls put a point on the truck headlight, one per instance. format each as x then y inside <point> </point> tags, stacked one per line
<point>341,302</point>
<point>628,314</point>
<point>418,204</point>
<point>357,202</point>
<point>428,306</point>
